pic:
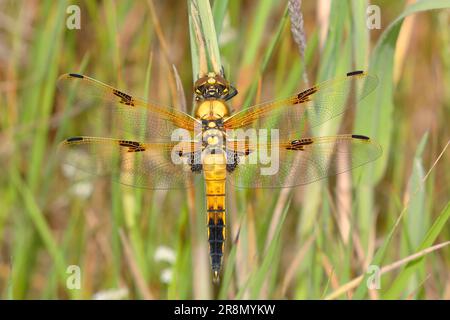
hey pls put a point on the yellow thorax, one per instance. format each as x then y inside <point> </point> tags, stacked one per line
<point>211,110</point>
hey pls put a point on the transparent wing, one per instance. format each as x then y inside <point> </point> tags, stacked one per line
<point>145,121</point>
<point>294,115</point>
<point>146,165</point>
<point>298,162</point>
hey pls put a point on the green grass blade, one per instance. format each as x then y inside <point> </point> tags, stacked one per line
<point>416,218</point>
<point>260,276</point>
<point>268,54</point>
<point>402,279</point>
<point>204,45</point>
<point>219,11</point>
<point>36,216</point>
<point>360,37</point>
<point>374,116</point>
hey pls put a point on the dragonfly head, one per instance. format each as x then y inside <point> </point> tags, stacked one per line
<point>213,86</point>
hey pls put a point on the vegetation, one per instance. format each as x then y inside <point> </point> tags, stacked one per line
<point>312,242</point>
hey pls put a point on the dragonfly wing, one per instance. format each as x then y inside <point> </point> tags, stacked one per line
<point>146,165</point>
<point>299,162</point>
<point>145,121</point>
<point>293,116</point>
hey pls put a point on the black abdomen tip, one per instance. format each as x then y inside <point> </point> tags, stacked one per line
<point>357,136</point>
<point>76,75</point>
<point>72,139</point>
<point>354,73</point>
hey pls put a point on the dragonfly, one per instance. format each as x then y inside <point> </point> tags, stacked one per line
<point>171,147</point>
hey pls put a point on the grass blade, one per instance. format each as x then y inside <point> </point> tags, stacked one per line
<point>401,281</point>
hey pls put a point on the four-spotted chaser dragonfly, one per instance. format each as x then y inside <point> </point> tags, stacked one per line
<point>160,159</point>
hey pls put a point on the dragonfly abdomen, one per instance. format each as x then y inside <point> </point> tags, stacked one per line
<point>214,170</point>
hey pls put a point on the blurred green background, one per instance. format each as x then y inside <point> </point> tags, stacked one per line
<point>310,242</point>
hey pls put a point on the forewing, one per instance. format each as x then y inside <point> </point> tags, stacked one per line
<point>293,116</point>
<point>143,120</point>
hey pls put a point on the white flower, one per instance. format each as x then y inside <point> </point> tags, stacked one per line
<point>164,253</point>
<point>111,294</point>
<point>81,185</point>
<point>68,170</point>
<point>82,189</point>
<point>166,275</point>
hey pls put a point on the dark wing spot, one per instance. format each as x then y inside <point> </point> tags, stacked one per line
<point>304,95</point>
<point>354,73</point>
<point>133,146</point>
<point>127,143</point>
<point>76,75</point>
<point>299,144</point>
<point>302,142</point>
<point>297,148</point>
<point>73,139</point>
<point>357,136</point>
<point>125,98</point>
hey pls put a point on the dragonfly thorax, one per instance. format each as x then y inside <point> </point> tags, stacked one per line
<point>212,110</point>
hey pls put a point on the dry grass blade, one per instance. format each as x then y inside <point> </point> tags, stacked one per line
<point>340,212</point>
<point>344,204</point>
<point>329,270</point>
<point>419,286</point>
<point>436,161</point>
<point>137,275</point>
<point>355,282</point>
<point>403,43</point>
<point>173,86</point>
<point>181,96</point>
<point>296,263</point>
<point>158,30</point>
<point>323,19</point>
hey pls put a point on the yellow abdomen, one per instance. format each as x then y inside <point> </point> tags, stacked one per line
<point>214,171</point>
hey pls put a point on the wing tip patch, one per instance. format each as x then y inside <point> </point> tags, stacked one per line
<point>355,73</point>
<point>74,139</point>
<point>360,137</point>
<point>76,75</point>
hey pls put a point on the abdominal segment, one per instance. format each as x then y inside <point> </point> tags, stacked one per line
<point>214,170</point>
